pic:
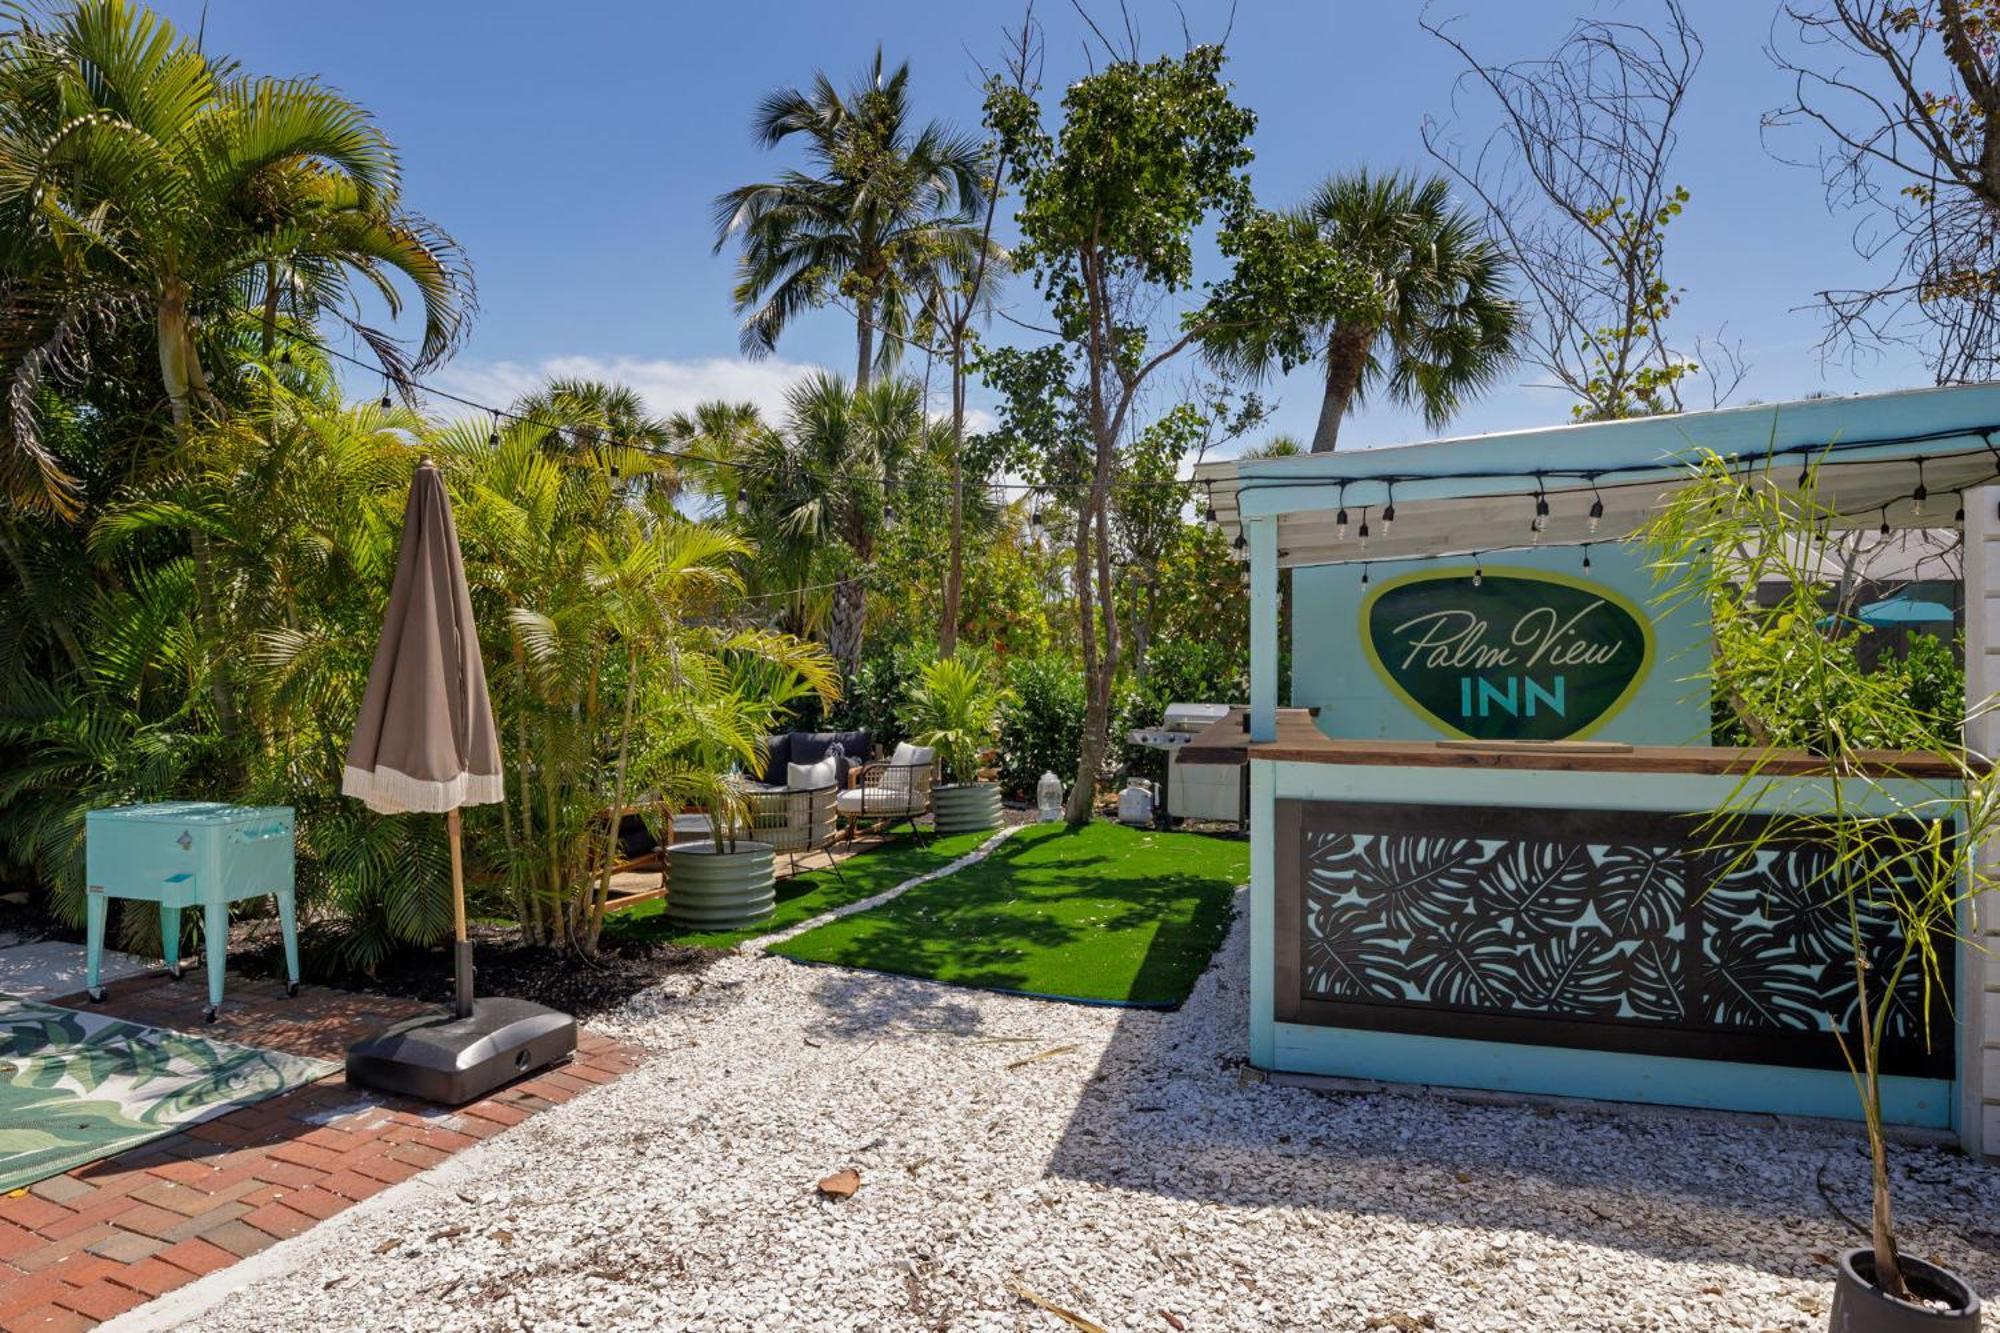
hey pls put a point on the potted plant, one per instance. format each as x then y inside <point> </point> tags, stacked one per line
<point>1896,856</point>
<point>955,711</point>
<point>723,881</point>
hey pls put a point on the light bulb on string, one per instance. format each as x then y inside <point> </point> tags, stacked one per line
<point>1596,507</point>
<point>1340,519</point>
<point>493,436</point>
<point>387,401</point>
<point>1586,555</point>
<point>1959,517</point>
<point>1364,575</point>
<point>1389,510</point>
<point>1208,516</point>
<point>1362,531</point>
<point>1240,544</point>
<point>1921,494</point>
<point>1478,573</point>
<point>1885,520</point>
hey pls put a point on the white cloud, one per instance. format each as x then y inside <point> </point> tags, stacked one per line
<point>666,386</point>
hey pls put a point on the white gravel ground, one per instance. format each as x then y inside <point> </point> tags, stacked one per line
<point>1135,1175</point>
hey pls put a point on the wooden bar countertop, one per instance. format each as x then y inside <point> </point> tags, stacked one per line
<point>1301,742</point>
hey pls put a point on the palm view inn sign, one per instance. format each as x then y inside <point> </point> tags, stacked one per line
<point>1505,653</point>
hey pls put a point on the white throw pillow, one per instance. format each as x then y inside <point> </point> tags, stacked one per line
<point>810,777</point>
<point>908,755</point>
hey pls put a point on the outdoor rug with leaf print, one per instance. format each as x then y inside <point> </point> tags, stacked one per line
<point>76,1087</point>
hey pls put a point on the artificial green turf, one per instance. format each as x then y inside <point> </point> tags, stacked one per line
<point>802,897</point>
<point>1102,913</point>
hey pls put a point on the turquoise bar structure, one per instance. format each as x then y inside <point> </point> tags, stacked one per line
<point>182,854</point>
<point>1559,503</point>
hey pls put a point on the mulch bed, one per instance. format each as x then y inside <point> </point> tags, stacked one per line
<point>582,987</point>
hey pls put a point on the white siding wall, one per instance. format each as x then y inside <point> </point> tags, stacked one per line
<point>1980,987</point>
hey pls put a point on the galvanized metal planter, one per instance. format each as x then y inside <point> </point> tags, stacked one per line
<point>713,890</point>
<point>966,807</point>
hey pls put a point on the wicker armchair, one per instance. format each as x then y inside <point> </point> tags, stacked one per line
<point>886,794</point>
<point>793,822</point>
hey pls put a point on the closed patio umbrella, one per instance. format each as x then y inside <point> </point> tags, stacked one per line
<point>426,743</point>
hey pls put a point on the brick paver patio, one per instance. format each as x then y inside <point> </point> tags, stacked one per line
<point>79,1248</point>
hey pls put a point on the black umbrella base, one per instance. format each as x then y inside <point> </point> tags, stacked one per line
<point>440,1058</point>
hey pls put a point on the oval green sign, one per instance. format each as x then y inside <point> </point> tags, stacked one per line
<point>1520,655</point>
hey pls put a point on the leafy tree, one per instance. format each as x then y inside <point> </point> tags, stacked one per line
<point>1111,205</point>
<point>1445,328</point>
<point>882,221</point>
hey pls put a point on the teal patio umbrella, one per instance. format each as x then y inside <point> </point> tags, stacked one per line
<point>1905,611</point>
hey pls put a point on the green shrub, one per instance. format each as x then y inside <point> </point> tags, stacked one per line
<point>875,697</point>
<point>1041,726</point>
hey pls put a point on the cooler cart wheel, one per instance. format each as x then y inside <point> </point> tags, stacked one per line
<point>176,971</point>
<point>96,994</point>
<point>291,990</point>
<point>208,1013</point>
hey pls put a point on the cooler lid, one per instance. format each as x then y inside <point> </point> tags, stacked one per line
<point>189,812</point>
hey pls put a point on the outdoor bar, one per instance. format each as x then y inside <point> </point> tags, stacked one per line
<point>1477,851</point>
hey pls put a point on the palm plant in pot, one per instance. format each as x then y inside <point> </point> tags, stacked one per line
<point>955,711</point>
<point>1893,857</point>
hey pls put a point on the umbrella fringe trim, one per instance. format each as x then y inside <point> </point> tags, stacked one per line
<point>390,792</point>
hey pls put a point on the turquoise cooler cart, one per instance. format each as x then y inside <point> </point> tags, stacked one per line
<point>190,854</point>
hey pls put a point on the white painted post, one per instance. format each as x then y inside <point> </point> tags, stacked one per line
<point>1979,959</point>
<point>1263,536</point>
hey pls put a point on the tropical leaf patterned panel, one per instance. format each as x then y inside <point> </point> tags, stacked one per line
<point>76,1087</point>
<point>1512,924</point>
<point>1584,923</point>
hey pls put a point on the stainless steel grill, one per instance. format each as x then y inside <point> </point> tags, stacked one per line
<point>1195,791</point>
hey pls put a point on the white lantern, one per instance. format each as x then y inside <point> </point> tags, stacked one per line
<point>1049,799</point>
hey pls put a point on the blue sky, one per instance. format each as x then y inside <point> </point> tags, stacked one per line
<point>575,151</point>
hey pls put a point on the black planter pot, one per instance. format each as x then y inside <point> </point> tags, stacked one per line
<point>1859,1306</point>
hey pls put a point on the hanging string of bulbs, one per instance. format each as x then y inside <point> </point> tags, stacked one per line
<point>1035,492</point>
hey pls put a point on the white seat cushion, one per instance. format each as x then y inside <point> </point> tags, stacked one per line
<point>860,802</point>
<point>907,755</point>
<point>810,777</point>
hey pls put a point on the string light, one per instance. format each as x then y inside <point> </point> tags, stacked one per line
<point>1885,520</point>
<point>1340,519</point>
<point>1362,532</point>
<point>1541,521</point>
<point>493,438</point>
<point>1210,517</point>
<point>1364,574</point>
<point>1586,555</point>
<point>1241,541</point>
<point>387,402</point>
<point>1389,511</point>
<point>1596,506</point>
<point>1921,494</point>
<point>1478,572</point>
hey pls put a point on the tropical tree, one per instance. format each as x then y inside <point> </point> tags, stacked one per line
<point>141,178</point>
<point>820,488</point>
<point>1444,327</point>
<point>883,216</point>
<point>1112,203</point>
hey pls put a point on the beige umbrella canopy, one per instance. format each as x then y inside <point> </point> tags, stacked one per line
<point>425,741</point>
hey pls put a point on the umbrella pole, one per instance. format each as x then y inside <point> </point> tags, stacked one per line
<point>461,946</point>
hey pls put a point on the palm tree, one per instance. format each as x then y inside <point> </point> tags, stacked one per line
<point>885,214</point>
<point>819,489</point>
<point>1448,327</point>
<point>143,179</point>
